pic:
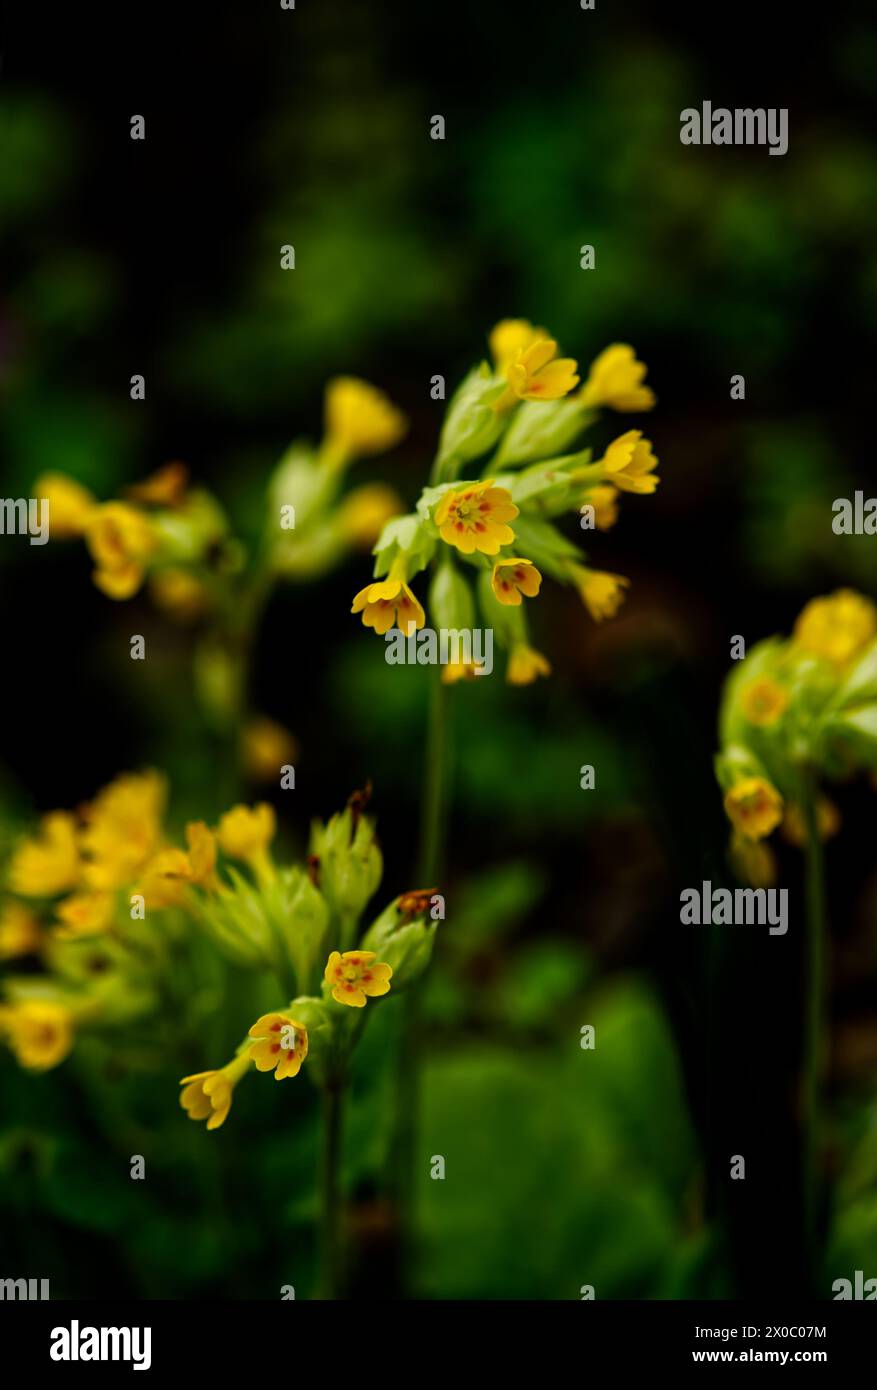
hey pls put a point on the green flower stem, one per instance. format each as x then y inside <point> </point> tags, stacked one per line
<point>814,1022</point>
<point>331,1256</point>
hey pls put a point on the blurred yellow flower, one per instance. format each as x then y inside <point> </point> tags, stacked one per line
<point>121,540</point>
<point>475,517</point>
<point>764,702</point>
<point>266,748</point>
<point>615,380</point>
<point>754,807</point>
<point>281,1045</point>
<point>360,420</point>
<point>602,593</point>
<point>164,488</point>
<point>245,832</point>
<point>513,577</point>
<point>454,671</point>
<point>39,1032</point>
<point>362,513</point>
<point>794,829</point>
<point>511,337</point>
<point>604,499</point>
<point>48,863</point>
<point>630,463</point>
<point>123,829</point>
<point>353,977</point>
<point>837,627</point>
<point>84,914</point>
<point>179,594</point>
<point>537,374</point>
<point>20,931</point>
<point>525,664</point>
<point>209,1093</point>
<point>389,602</point>
<point>70,505</point>
<point>754,861</point>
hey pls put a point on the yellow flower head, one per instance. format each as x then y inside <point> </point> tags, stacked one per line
<point>827,822</point>
<point>121,541</point>
<point>604,499</point>
<point>165,879</point>
<point>266,747</point>
<point>164,488</point>
<point>601,593</point>
<point>536,373</point>
<point>630,463</point>
<point>512,578</point>
<point>363,513</point>
<point>353,976</point>
<point>84,915</point>
<point>764,702</point>
<point>455,671</point>
<point>360,420</point>
<point>281,1045</point>
<point>246,832</point>
<point>40,1033</point>
<point>475,517</point>
<point>179,594</point>
<point>754,861</point>
<point>49,863</point>
<point>754,807</point>
<point>20,932</point>
<point>70,505</point>
<point>209,1093</point>
<point>123,829</point>
<point>615,379</point>
<point>837,627</point>
<point>511,337</point>
<point>525,664</point>
<point>389,602</point>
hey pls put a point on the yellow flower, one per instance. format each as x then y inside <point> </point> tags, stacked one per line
<point>604,499</point>
<point>20,932</point>
<point>837,627</point>
<point>454,671</point>
<point>49,863</point>
<point>70,505</point>
<point>123,829</point>
<point>630,463</point>
<point>246,832</point>
<point>512,578</point>
<point>537,374</point>
<point>615,379</point>
<point>121,540</point>
<point>362,513</point>
<point>353,976</point>
<point>172,871</point>
<point>389,602</point>
<point>85,914</point>
<point>525,664</point>
<point>179,594</point>
<point>40,1033</point>
<point>267,747</point>
<point>281,1045</point>
<point>511,337</point>
<point>164,488</point>
<point>201,854</point>
<point>601,593</point>
<point>360,420</point>
<point>209,1093</point>
<point>754,807</point>
<point>763,702</point>
<point>827,822</point>
<point>754,861</point>
<point>475,516</point>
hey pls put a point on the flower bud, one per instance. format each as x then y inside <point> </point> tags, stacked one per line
<point>404,944</point>
<point>472,424</point>
<point>450,599</point>
<point>350,863</point>
<point>542,428</point>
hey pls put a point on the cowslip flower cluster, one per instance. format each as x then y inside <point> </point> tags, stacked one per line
<point>795,712</point>
<point>503,476</point>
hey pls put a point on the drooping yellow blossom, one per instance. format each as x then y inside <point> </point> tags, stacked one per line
<point>121,541</point>
<point>353,977</point>
<point>536,373</point>
<point>514,577</point>
<point>209,1093</point>
<point>245,832</point>
<point>511,337</point>
<point>754,807</point>
<point>389,602</point>
<point>179,594</point>
<point>166,487</point>
<point>360,420</point>
<point>604,499</point>
<point>615,380</point>
<point>39,1032</point>
<point>630,463</point>
<point>70,505</point>
<point>172,871</point>
<point>20,932</point>
<point>123,829</point>
<point>794,829</point>
<point>764,702</point>
<point>475,517</point>
<point>49,863</point>
<point>363,513</point>
<point>201,854</point>
<point>837,627</point>
<point>601,593</point>
<point>266,747</point>
<point>454,671</point>
<point>754,861</point>
<point>525,664</point>
<point>281,1045</point>
<point>85,914</point>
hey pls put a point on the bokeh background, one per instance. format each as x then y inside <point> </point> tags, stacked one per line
<point>264,127</point>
